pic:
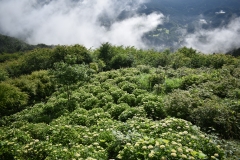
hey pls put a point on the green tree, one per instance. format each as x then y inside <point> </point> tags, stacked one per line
<point>12,100</point>
<point>3,74</point>
<point>105,53</point>
<point>67,75</point>
<point>76,54</point>
<point>188,52</point>
<point>121,60</point>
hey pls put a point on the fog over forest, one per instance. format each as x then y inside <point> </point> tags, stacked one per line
<point>208,26</point>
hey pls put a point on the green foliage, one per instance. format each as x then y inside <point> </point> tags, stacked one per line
<point>12,99</point>
<point>188,52</point>
<point>116,93</point>
<point>76,54</point>
<point>179,60</point>
<point>104,99</point>
<point>3,75</point>
<point>11,45</point>
<point>130,99</point>
<point>128,87</point>
<point>95,115</point>
<point>13,68</point>
<point>90,103</point>
<point>180,104</point>
<point>226,87</point>
<point>236,72</point>
<point>55,110</point>
<point>44,58</point>
<point>116,110</point>
<point>214,115</point>
<point>79,117</point>
<point>156,79</point>
<point>190,80</point>
<point>121,60</point>
<point>68,74</point>
<point>138,92</point>
<point>105,53</point>
<point>154,109</point>
<point>35,60</point>
<point>170,144</point>
<point>144,68</point>
<point>143,81</point>
<point>38,85</point>
<point>131,112</point>
<point>9,57</point>
<point>171,84</point>
<point>79,111</point>
<point>218,60</point>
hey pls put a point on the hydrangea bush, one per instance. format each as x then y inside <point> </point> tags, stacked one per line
<point>117,118</point>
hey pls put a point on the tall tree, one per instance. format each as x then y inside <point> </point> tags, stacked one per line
<point>66,74</point>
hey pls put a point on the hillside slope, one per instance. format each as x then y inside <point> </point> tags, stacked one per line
<point>11,45</point>
<point>116,102</point>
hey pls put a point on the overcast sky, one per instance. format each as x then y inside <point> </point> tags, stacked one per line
<point>218,40</point>
<point>81,22</point>
<point>71,22</point>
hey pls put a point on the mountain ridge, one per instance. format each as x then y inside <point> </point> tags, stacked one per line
<point>10,44</point>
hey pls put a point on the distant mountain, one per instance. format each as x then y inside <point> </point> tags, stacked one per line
<point>182,18</point>
<point>12,45</point>
<point>190,7</point>
<point>186,11</point>
<point>185,17</point>
<point>235,52</point>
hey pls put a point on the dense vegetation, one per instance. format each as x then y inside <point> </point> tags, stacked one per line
<point>115,102</point>
<point>12,45</point>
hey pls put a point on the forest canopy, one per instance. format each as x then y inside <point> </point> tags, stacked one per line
<point>117,102</point>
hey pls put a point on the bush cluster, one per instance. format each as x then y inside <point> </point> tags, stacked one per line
<point>118,103</point>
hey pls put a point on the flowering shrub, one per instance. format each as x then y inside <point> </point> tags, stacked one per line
<point>115,115</point>
<point>90,103</point>
<point>171,84</point>
<point>138,92</point>
<point>116,110</point>
<point>128,87</point>
<point>128,98</point>
<point>116,93</point>
<point>179,104</point>
<point>154,110</point>
<point>144,68</point>
<point>95,115</point>
<point>216,115</point>
<point>94,89</point>
<point>79,117</point>
<point>156,79</point>
<point>131,112</point>
<point>169,143</point>
<point>193,80</point>
<point>136,138</point>
<point>104,99</point>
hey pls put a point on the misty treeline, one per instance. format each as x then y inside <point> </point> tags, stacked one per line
<point>107,57</point>
<point>59,91</point>
<point>28,72</point>
<point>12,45</point>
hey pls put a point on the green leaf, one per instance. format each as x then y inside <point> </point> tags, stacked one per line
<point>165,141</point>
<point>202,156</point>
<point>194,153</point>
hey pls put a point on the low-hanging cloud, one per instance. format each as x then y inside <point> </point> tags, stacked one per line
<point>219,40</point>
<point>87,22</point>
